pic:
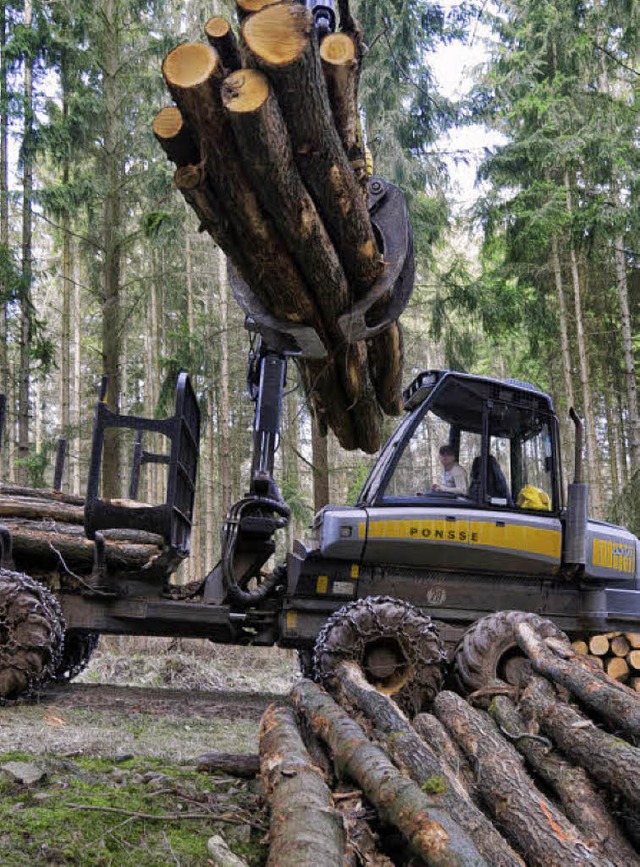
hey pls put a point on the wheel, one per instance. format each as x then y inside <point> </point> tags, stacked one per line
<point>76,653</point>
<point>397,646</point>
<point>489,652</point>
<point>31,634</point>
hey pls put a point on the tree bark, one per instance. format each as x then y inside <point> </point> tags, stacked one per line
<point>223,39</point>
<point>535,827</point>
<point>418,760</point>
<point>340,64</point>
<point>386,360</point>
<point>305,828</point>
<point>225,402</point>
<point>193,74</point>
<point>280,42</point>
<point>175,137</point>
<point>608,759</point>
<point>320,460</point>
<point>4,208</point>
<point>627,348</point>
<point>613,701</point>
<point>244,765</point>
<point>436,736</point>
<point>26,318</point>
<point>41,509</point>
<point>430,832</point>
<point>580,800</point>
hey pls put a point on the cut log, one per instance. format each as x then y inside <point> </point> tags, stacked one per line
<point>38,510</point>
<point>223,39</point>
<point>634,684</point>
<point>431,833</point>
<point>340,64</point>
<point>418,760</point>
<point>305,828</point>
<point>244,765</point>
<point>193,74</point>
<point>386,360</point>
<point>249,7</point>
<point>580,647</point>
<point>40,494</point>
<point>533,824</point>
<point>599,645</point>
<point>263,142</point>
<point>634,639</point>
<point>579,798</point>
<point>617,668</point>
<point>280,42</point>
<point>608,759</point>
<point>437,737</point>
<point>175,137</point>
<point>633,659</point>
<point>613,701</point>
<point>620,646</point>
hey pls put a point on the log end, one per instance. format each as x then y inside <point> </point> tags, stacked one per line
<point>338,49</point>
<point>278,35</point>
<point>189,65</point>
<point>251,6</point>
<point>217,27</point>
<point>168,122</point>
<point>245,91</point>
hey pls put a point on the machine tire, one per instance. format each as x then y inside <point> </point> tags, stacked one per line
<point>482,657</point>
<point>76,653</point>
<point>31,634</point>
<point>377,624</point>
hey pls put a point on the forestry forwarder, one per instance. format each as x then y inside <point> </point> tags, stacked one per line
<point>406,578</point>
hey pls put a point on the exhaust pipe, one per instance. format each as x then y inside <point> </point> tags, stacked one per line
<point>575,535</point>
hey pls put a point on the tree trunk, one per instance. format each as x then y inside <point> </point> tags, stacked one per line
<point>74,457</point>
<point>175,137</point>
<point>535,827</point>
<point>112,250</point>
<point>280,41</point>
<point>609,760</point>
<point>430,831</point>
<point>225,402</point>
<point>4,231</point>
<point>386,359</point>
<point>627,348</point>
<point>580,800</point>
<point>26,317</point>
<point>320,460</point>
<point>613,701</point>
<point>585,381</point>
<point>417,759</point>
<point>306,830</point>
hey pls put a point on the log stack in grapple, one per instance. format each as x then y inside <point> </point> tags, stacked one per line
<point>545,773</point>
<point>270,155</point>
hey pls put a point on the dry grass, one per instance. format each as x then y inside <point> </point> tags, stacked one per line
<point>190,664</point>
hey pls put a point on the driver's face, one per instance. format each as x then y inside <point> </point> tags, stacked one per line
<point>447,461</point>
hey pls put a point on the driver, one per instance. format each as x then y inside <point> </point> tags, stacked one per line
<point>453,479</point>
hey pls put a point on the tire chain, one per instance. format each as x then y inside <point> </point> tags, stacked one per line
<point>347,631</point>
<point>41,608</point>
<point>78,650</point>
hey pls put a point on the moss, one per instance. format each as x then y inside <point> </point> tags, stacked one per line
<point>41,825</point>
<point>435,785</point>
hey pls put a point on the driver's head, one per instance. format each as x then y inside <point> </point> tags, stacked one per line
<point>447,456</point>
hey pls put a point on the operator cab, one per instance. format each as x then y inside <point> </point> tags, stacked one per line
<point>500,437</point>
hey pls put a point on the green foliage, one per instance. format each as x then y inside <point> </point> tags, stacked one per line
<point>301,509</point>
<point>624,508</point>
<point>358,476</point>
<point>36,465</point>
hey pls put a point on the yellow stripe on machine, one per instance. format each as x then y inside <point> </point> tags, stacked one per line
<point>518,537</point>
<point>611,554</point>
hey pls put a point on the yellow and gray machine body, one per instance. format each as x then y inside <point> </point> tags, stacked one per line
<point>507,542</point>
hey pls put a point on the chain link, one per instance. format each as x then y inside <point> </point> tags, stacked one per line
<point>31,632</point>
<point>346,634</point>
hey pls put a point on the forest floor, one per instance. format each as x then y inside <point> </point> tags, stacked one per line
<point>112,757</point>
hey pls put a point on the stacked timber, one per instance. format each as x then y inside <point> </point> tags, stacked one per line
<point>266,139</point>
<point>545,774</point>
<point>47,540</point>
<point>618,653</point>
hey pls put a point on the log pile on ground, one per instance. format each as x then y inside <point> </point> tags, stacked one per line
<point>618,653</point>
<point>546,773</point>
<point>266,140</point>
<point>48,540</point>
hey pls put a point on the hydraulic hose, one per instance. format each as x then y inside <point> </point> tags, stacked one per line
<point>230,533</point>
